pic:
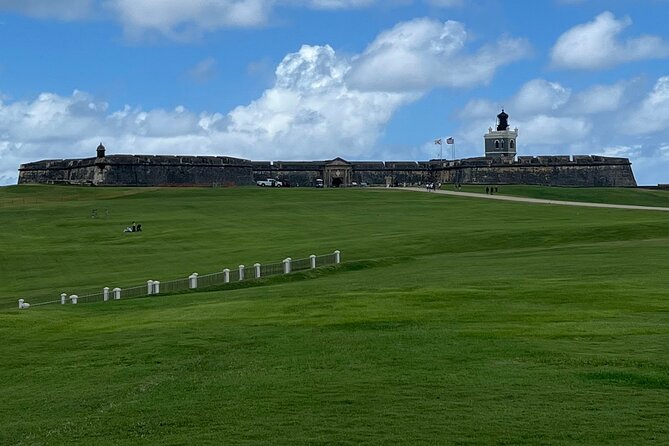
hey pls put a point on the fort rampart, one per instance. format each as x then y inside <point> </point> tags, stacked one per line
<point>159,170</point>
<point>140,170</point>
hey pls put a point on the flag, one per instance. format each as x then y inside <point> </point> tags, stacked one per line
<point>450,141</point>
<point>437,141</point>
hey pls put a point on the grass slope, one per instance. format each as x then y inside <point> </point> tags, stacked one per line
<point>613,195</point>
<point>454,321</point>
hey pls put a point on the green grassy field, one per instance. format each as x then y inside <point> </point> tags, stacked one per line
<point>452,321</point>
<point>614,195</point>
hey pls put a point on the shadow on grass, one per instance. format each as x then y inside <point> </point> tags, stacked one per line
<point>299,275</point>
<point>626,378</point>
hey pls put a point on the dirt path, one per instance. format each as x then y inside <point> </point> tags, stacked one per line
<point>534,200</point>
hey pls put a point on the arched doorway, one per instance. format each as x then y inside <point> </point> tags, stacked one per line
<point>337,173</point>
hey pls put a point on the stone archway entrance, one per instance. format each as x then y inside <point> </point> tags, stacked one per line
<point>337,173</point>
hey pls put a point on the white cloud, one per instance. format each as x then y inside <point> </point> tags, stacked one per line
<point>309,113</point>
<point>59,9</point>
<point>544,129</point>
<point>609,120</point>
<point>478,108</point>
<point>595,45</point>
<point>539,95</point>
<point>445,3</point>
<point>652,114</point>
<point>599,99</point>
<point>312,111</point>
<point>182,19</point>
<point>339,4</point>
<point>622,151</point>
<point>424,53</point>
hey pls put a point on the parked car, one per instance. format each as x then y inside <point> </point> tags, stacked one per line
<point>319,182</point>
<point>269,182</point>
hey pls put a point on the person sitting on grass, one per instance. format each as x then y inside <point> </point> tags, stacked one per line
<point>134,228</point>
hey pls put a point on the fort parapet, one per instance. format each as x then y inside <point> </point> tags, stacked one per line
<point>577,170</point>
<point>161,170</point>
<point>140,170</point>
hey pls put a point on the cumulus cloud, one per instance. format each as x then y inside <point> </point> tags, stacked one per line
<point>310,112</point>
<point>313,110</point>
<point>59,9</point>
<point>612,120</point>
<point>533,97</point>
<point>478,108</point>
<point>424,53</point>
<point>622,151</point>
<point>179,19</point>
<point>596,45</point>
<point>652,114</point>
<point>540,95</point>
<point>186,19</point>
<point>339,4</point>
<point>445,3</point>
<point>600,99</point>
<point>554,130</point>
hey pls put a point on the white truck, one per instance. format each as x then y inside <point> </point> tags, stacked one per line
<point>269,182</point>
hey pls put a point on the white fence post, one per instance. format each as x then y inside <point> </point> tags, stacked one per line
<point>105,293</point>
<point>286,265</point>
<point>312,259</point>
<point>257,268</point>
<point>192,281</point>
<point>241,272</point>
<point>226,275</point>
<point>337,256</point>
<point>156,287</point>
<point>74,299</point>
<point>149,287</point>
<point>63,298</point>
<point>117,293</point>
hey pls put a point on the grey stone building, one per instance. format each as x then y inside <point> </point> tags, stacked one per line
<point>501,143</point>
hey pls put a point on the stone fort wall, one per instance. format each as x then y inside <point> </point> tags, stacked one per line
<point>579,171</point>
<point>159,170</point>
<point>140,170</point>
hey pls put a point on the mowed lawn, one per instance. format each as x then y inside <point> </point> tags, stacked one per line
<point>613,195</point>
<point>452,320</point>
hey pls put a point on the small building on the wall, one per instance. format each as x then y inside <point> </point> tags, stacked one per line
<point>501,143</point>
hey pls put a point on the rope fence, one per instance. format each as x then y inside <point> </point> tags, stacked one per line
<point>194,281</point>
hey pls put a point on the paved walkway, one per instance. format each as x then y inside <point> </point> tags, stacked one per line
<point>533,200</point>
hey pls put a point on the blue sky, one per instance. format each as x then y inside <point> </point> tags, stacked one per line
<point>316,79</point>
